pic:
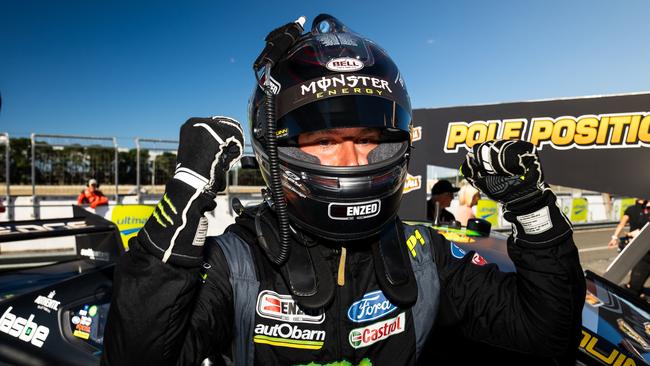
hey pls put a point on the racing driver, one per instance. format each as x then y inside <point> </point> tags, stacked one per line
<point>323,271</point>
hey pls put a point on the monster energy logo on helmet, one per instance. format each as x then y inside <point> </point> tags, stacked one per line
<point>340,85</point>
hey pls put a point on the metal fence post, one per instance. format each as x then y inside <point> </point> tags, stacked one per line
<point>117,171</point>
<point>32,138</point>
<point>139,146</point>
<point>137,169</point>
<point>10,211</point>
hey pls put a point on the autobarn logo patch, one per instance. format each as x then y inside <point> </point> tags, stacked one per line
<point>354,211</point>
<point>272,305</point>
<point>344,64</point>
<point>373,333</point>
<point>289,335</point>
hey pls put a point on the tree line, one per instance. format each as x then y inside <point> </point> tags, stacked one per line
<point>75,164</point>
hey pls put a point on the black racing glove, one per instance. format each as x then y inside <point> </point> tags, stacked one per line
<point>510,172</point>
<point>207,149</point>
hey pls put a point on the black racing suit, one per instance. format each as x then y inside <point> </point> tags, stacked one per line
<point>164,315</point>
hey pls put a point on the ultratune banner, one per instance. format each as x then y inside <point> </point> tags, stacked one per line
<point>594,143</point>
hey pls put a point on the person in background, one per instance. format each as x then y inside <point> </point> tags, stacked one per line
<point>92,195</point>
<point>468,197</point>
<point>442,193</point>
<point>637,216</point>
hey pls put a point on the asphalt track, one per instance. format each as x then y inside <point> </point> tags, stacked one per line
<point>592,246</point>
<point>594,254</point>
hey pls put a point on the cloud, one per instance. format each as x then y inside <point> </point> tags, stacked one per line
<point>430,41</point>
<point>232,60</point>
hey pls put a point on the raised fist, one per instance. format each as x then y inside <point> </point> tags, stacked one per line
<point>176,230</point>
<point>208,148</point>
<point>510,172</point>
<point>506,171</point>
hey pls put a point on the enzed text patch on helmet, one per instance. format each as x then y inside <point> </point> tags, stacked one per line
<point>354,211</point>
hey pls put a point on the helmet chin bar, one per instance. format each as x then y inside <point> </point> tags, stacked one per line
<point>342,203</point>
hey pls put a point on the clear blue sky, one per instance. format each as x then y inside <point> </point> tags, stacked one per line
<point>140,68</point>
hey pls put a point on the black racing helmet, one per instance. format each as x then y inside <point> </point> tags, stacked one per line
<point>335,78</point>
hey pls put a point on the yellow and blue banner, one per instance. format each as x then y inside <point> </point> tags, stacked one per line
<point>130,219</point>
<point>488,210</point>
<point>579,210</point>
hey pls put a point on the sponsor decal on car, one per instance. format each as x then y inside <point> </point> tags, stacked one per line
<point>289,335</point>
<point>83,321</point>
<point>354,211</point>
<point>344,64</point>
<point>373,333</point>
<point>80,334</point>
<point>456,251</point>
<point>30,228</point>
<point>603,351</point>
<point>24,329</point>
<point>47,303</point>
<point>630,332</point>
<point>272,305</point>
<point>372,306</point>
<point>95,254</point>
<point>593,300</point>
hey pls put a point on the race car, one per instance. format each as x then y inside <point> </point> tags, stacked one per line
<point>53,307</point>
<point>615,324</point>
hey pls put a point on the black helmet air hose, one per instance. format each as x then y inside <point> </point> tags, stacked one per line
<point>278,43</point>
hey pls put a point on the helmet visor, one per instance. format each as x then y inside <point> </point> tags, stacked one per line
<point>346,112</point>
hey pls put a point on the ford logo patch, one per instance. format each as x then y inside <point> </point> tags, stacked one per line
<point>372,306</point>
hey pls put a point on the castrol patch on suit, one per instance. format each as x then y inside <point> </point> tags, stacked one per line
<point>373,333</point>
